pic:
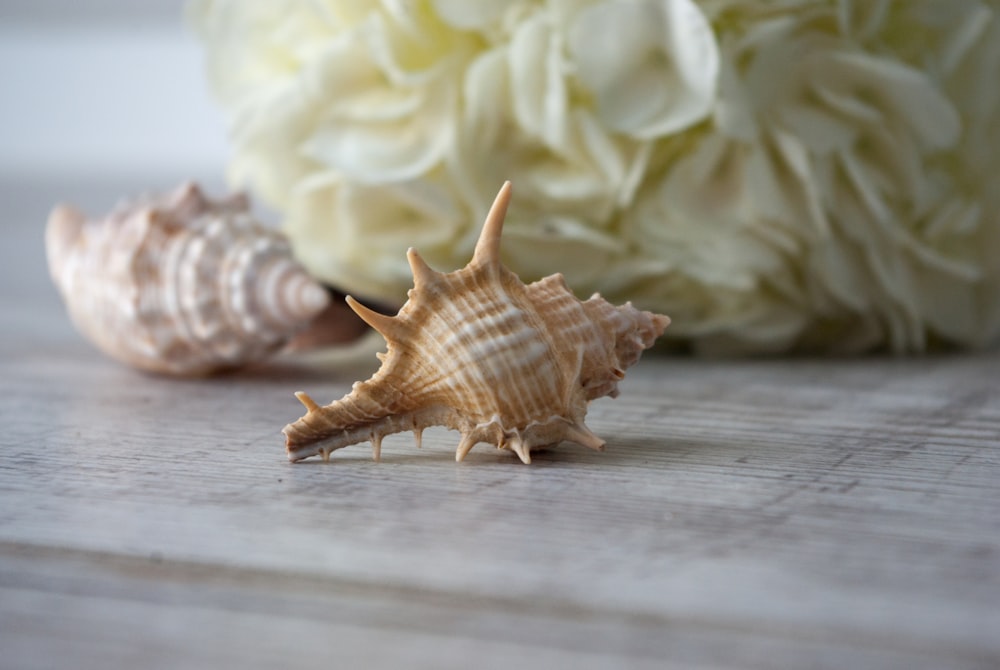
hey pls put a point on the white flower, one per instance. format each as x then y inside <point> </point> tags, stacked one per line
<point>790,174</point>
<point>390,124</point>
<point>827,208</point>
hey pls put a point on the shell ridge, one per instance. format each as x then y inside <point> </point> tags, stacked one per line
<point>552,293</point>
<point>484,347</point>
<point>455,352</point>
<point>530,349</point>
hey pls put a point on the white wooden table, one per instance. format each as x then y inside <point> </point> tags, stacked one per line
<point>753,514</point>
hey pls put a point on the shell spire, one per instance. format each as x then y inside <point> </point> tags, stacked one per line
<point>386,325</point>
<point>499,361</point>
<point>487,253</point>
<point>423,275</point>
<point>180,284</point>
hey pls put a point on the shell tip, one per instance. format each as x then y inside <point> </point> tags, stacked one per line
<point>64,227</point>
<point>384,324</point>
<point>464,447</point>
<point>522,450</point>
<point>582,435</point>
<point>313,299</point>
<point>308,402</point>
<point>487,251</point>
<point>188,197</point>
<point>66,220</point>
<point>423,274</point>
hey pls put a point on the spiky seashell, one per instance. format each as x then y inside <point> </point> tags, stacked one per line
<point>480,352</point>
<point>179,284</point>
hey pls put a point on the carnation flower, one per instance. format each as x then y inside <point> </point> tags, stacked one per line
<point>792,174</point>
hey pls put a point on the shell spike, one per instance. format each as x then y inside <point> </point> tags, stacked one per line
<point>522,450</point>
<point>377,447</point>
<point>187,193</point>
<point>386,325</point>
<point>309,403</point>
<point>487,251</point>
<point>464,447</point>
<point>423,274</point>
<point>580,434</point>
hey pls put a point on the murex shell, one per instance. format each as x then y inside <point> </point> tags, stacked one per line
<point>480,352</point>
<point>180,284</point>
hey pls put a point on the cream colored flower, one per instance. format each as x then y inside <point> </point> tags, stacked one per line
<point>791,174</point>
<point>390,124</point>
<point>833,190</point>
<point>960,225</point>
<point>577,162</point>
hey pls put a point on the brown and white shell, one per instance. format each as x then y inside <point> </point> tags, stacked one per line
<point>180,284</point>
<point>482,353</point>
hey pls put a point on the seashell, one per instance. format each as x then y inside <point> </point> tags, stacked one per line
<point>180,284</point>
<point>482,353</point>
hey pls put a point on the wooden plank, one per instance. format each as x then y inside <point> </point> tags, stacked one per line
<point>109,611</point>
<point>819,513</point>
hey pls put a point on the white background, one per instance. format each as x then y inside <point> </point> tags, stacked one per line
<point>104,87</point>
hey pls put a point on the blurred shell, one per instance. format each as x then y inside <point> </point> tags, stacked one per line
<point>480,352</point>
<point>180,284</point>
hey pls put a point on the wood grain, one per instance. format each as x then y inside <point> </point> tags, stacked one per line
<point>776,513</point>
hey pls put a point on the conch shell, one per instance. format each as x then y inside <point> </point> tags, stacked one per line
<point>179,284</point>
<point>480,352</point>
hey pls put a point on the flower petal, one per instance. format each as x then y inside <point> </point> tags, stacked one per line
<point>651,65</point>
